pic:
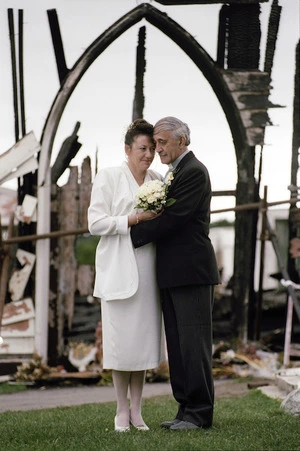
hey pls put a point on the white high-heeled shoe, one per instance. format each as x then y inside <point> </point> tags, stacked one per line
<point>121,428</point>
<point>140,427</point>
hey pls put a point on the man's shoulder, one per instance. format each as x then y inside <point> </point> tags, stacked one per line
<point>190,161</point>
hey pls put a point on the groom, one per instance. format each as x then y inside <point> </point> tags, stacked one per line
<point>186,274</point>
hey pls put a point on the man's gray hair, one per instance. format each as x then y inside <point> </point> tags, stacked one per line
<point>174,125</point>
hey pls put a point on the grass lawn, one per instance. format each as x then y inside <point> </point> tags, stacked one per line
<point>11,388</point>
<point>252,422</point>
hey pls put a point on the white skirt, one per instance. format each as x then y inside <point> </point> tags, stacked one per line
<point>132,328</point>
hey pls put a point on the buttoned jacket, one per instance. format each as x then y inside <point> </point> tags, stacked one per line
<point>185,255</point>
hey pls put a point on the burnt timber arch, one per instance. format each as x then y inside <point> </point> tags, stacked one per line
<point>177,34</point>
<point>210,70</point>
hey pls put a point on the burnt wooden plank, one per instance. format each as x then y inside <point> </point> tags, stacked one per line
<point>243,40</point>
<point>20,277</point>
<point>139,99</point>
<point>54,301</point>
<point>255,136</point>
<point>18,311</point>
<point>251,100</point>
<point>10,14</point>
<point>247,80</point>
<point>20,329</point>
<point>18,157</point>
<point>222,34</point>
<point>273,28</point>
<point>67,152</point>
<point>5,263</point>
<point>85,188</point>
<point>68,218</point>
<point>85,273</point>
<point>58,45</point>
<point>17,346</point>
<point>255,118</point>
<point>21,73</point>
<point>250,91</point>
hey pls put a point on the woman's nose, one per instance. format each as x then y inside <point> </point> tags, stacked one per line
<point>149,153</point>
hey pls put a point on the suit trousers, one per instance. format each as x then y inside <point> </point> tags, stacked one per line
<point>187,313</point>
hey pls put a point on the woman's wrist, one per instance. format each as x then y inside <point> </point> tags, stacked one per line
<point>133,219</point>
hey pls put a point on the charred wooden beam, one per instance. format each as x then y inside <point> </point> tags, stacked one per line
<point>5,268</point>
<point>243,52</point>
<point>53,343</point>
<point>68,215</point>
<point>60,233</point>
<point>139,99</point>
<point>296,120</point>
<point>250,91</point>
<point>257,308</point>
<point>14,70</point>
<point>272,35</point>
<point>85,273</point>
<point>21,74</point>
<point>294,216</point>
<point>222,36</point>
<point>58,45</point>
<point>224,193</point>
<point>243,36</point>
<point>26,185</point>
<point>67,152</point>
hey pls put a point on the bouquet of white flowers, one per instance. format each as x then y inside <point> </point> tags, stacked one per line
<point>152,195</point>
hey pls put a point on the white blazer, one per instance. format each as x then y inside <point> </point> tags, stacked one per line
<point>112,201</point>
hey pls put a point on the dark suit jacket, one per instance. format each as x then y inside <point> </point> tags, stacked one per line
<point>185,255</point>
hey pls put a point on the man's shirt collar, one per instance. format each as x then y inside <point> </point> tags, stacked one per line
<point>175,163</point>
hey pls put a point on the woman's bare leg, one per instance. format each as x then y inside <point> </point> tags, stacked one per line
<point>121,380</point>
<point>137,381</point>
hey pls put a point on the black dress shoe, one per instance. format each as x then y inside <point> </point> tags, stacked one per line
<point>168,424</point>
<point>181,425</point>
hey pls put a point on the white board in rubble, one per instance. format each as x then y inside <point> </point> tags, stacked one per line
<point>14,312</point>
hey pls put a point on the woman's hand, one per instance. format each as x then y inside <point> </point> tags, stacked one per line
<point>142,217</point>
<point>148,215</point>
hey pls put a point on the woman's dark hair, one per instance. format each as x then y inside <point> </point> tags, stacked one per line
<point>138,127</point>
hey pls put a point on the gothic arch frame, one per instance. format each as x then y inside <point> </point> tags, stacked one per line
<point>178,35</point>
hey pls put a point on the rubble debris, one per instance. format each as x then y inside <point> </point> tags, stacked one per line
<point>248,361</point>
<point>18,311</point>
<point>160,374</point>
<point>80,355</point>
<point>19,278</point>
<point>27,211</point>
<point>33,370</point>
<point>20,159</point>
<point>291,404</point>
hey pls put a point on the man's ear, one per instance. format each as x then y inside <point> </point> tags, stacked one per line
<point>182,141</point>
